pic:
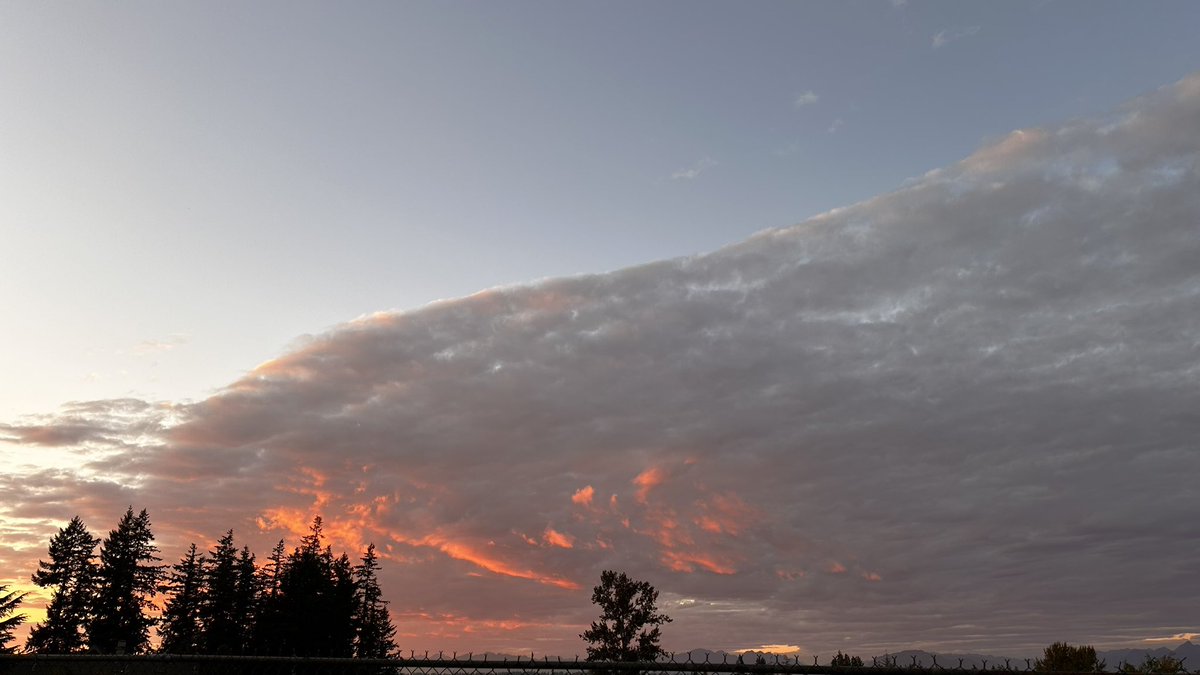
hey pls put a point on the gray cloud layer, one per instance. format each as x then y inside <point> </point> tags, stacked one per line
<point>961,416</point>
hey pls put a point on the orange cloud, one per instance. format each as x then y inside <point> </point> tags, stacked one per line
<point>771,649</point>
<point>724,514</point>
<point>347,533</point>
<point>648,480</point>
<point>680,552</point>
<point>558,539</point>
<point>837,568</point>
<point>680,561</point>
<point>309,481</point>
<point>583,496</point>
<point>1173,638</point>
<point>447,624</point>
<point>872,576</point>
<point>467,553</point>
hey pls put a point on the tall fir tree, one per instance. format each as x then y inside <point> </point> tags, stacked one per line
<point>9,600</point>
<point>373,630</point>
<point>269,623</point>
<point>271,573</point>
<point>309,608</point>
<point>342,605</point>
<point>71,572</point>
<point>126,582</point>
<point>222,624</point>
<point>247,598</point>
<point>180,628</point>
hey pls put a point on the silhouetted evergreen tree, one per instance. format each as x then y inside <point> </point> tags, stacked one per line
<point>309,612</point>
<point>247,598</point>
<point>71,572</point>
<point>342,605</point>
<point>268,626</point>
<point>180,629</point>
<point>126,582</point>
<point>271,572</point>
<point>9,600</point>
<point>373,627</point>
<point>223,628</point>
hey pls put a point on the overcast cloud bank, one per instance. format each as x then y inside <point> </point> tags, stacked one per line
<point>961,416</point>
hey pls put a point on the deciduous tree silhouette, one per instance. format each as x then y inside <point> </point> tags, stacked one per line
<point>1061,657</point>
<point>9,600</point>
<point>628,627</point>
<point>71,572</point>
<point>846,661</point>
<point>126,582</point>
<point>1155,665</point>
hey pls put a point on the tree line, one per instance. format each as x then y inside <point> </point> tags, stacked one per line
<point>307,602</point>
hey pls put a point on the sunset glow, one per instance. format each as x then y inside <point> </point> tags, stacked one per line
<point>852,325</point>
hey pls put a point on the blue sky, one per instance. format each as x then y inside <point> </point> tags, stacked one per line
<point>406,264</point>
<point>228,176</point>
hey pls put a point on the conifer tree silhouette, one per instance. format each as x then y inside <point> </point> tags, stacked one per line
<point>180,631</point>
<point>71,572</point>
<point>268,625</point>
<point>247,598</point>
<point>219,609</point>
<point>310,612</point>
<point>126,582</point>
<point>9,600</point>
<point>374,632</point>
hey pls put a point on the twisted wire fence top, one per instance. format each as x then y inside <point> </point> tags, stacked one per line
<point>428,663</point>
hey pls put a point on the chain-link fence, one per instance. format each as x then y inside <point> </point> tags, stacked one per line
<point>440,664</point>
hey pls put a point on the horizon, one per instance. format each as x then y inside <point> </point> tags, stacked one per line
<point>858,342</point>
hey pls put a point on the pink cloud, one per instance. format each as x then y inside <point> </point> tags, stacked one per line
<point>555,538</point>
<point>647,481</point>
<point>583,496</point>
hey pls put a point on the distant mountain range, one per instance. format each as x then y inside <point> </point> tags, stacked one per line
<point>1187,651</point>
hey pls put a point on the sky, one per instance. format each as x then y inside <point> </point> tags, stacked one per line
<point>861,326</point>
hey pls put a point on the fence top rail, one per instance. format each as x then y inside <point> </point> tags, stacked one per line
<point>460,665</point>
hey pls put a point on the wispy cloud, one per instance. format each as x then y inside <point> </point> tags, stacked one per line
<point>694,170</point>
<point>806,98</point>
<point>155,346</point>
<point>1174,638</point>
<point>835,126</point>
<point>770,649</point>
<point>945,37</point>
<point>1008,344</point>
<point>786,149</point>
